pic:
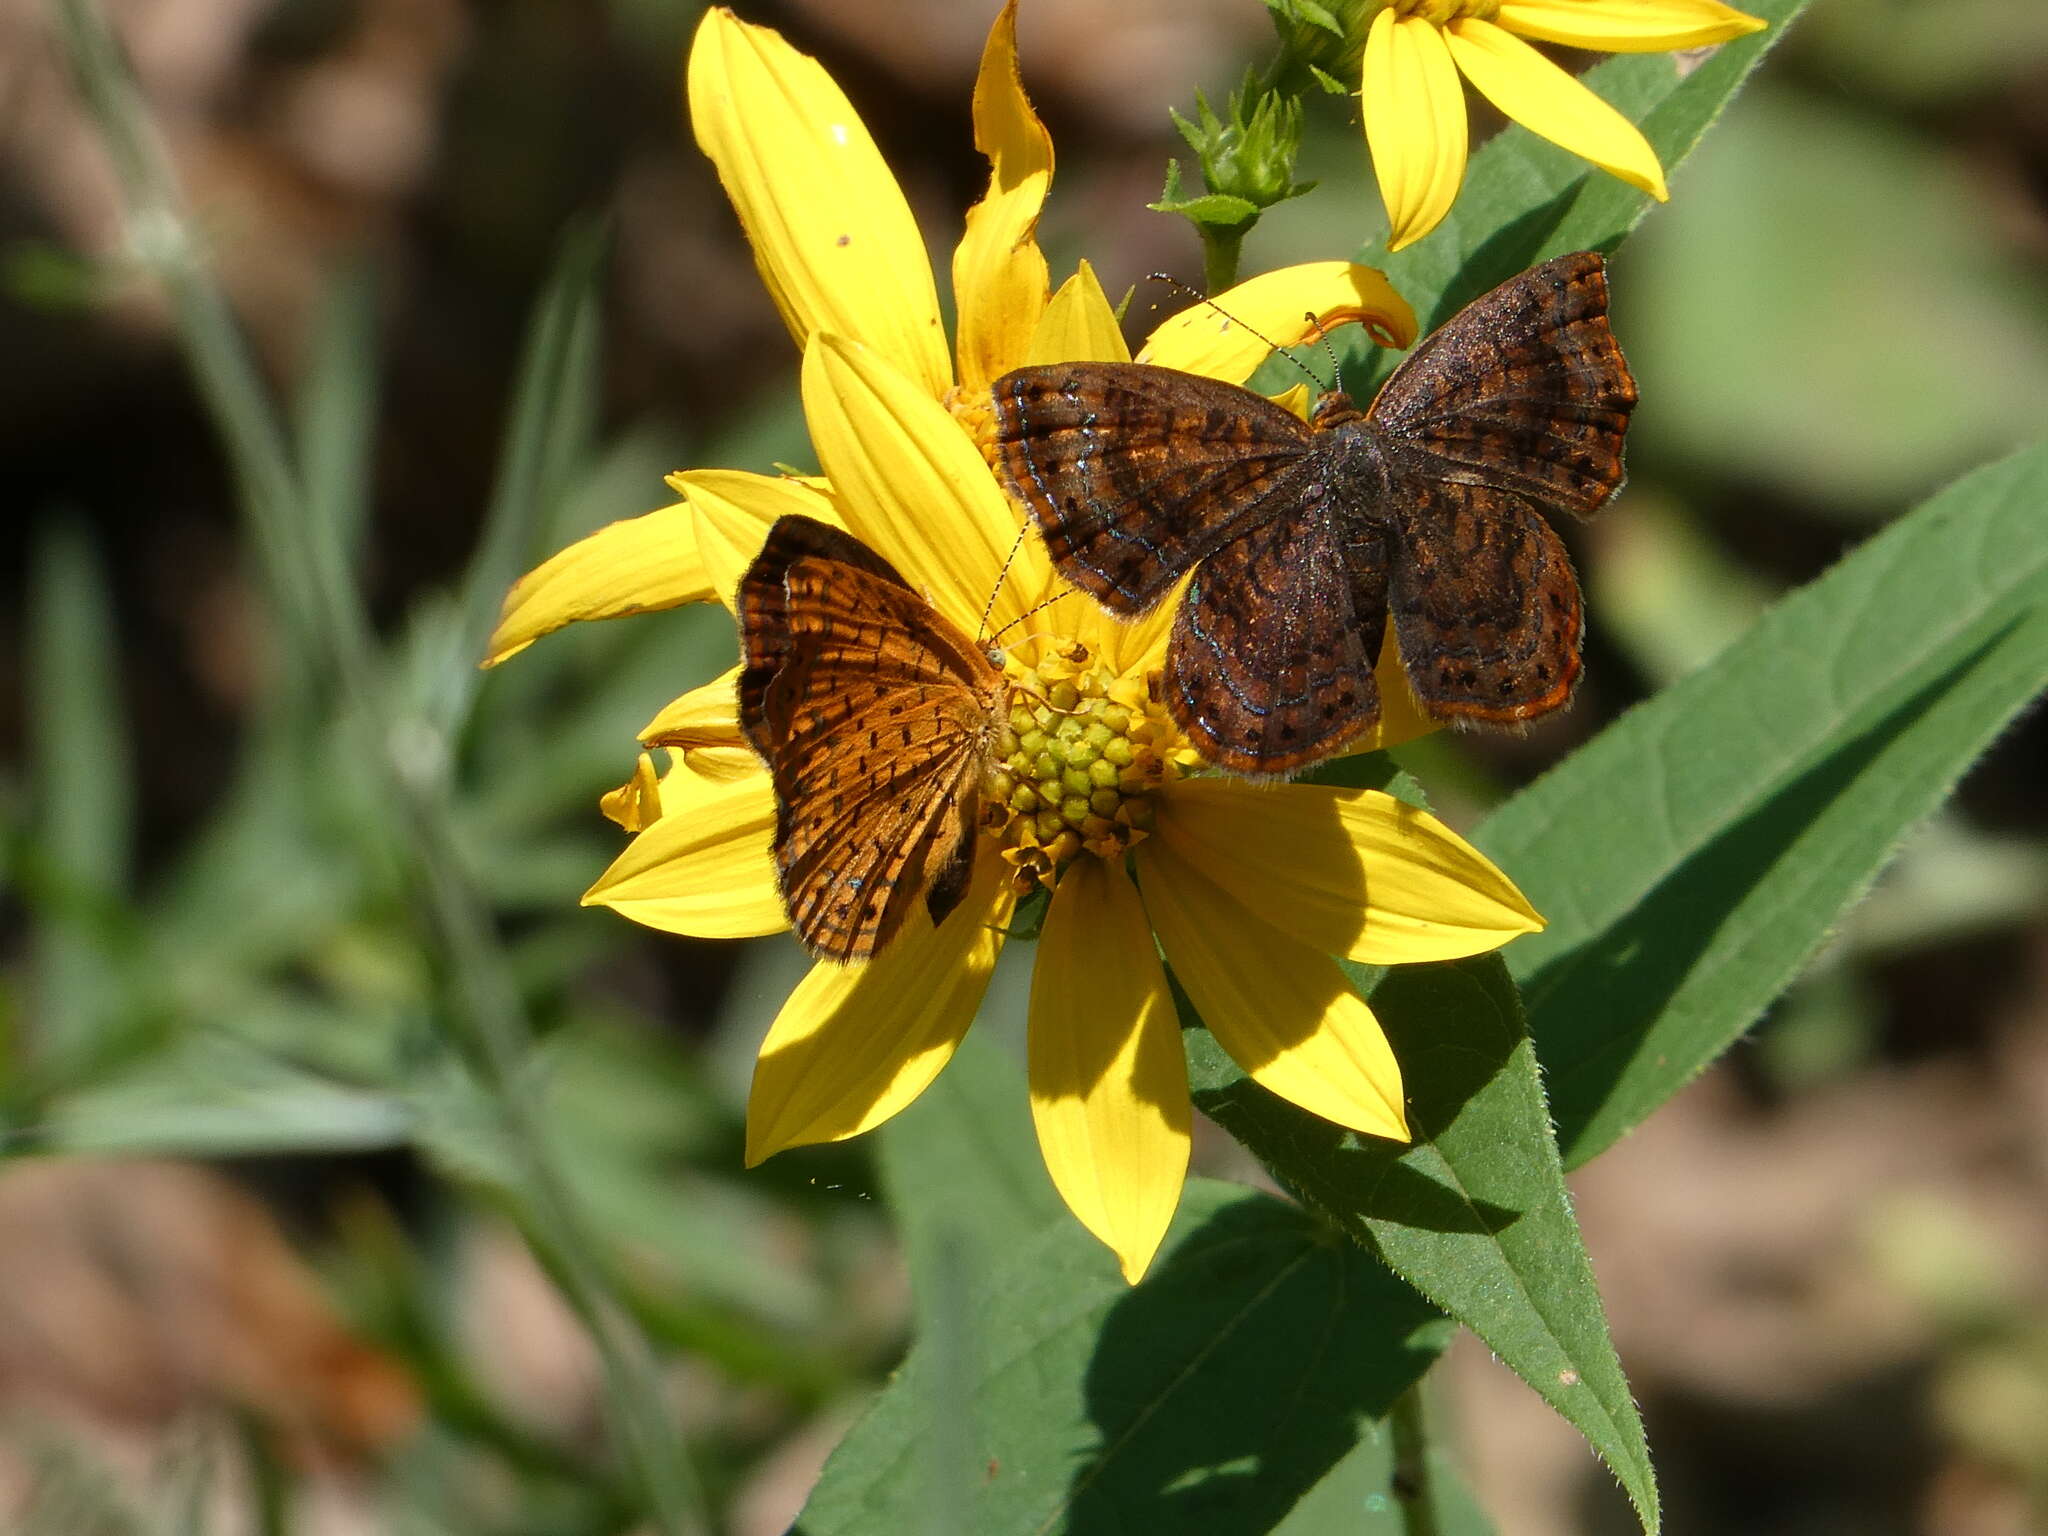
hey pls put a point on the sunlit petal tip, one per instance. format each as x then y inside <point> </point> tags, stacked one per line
<point>638,565</point>
<point>856,1043</point>
<point>999,273</point>
<point>1109,1093</point>
<point>704,868</point>
<point>833,237</point>
<point>910,483</point>
<point>1227,338</point>
<point>1352,872</point>
<point>1281,1007</point>
<point>1644,26</point>
<point>1414,110</point>
<point>1551,102</point>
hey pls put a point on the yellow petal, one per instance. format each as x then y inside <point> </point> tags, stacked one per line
<point>734,511</point>
<point>856,1043</point>
<point>1402,717</point>
<point>1636,26</point>
<point>1079,325</point>
<point>1414,124</point>
<point>1229,337</point>
<point>703,717</point>
<point>833,239</point>
<point>1548,101</point>
<point>999,275</point>
<point>910,483</point>
<point>1109,1085</point>
<point>635,566</point>
<point>635,804</point>
<point>1351,872</point>
<point>705,868</point>
<point>1135,648</point>
<point>1283,1010</point>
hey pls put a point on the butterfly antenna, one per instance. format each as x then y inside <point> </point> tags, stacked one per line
<point>1040,608</point>
<point>1329,347</point>
<point>1001,576</point>
<point>1202,298</point>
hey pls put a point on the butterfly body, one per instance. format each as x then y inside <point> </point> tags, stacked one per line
<point>1304,538</point>
<point>876,717</point>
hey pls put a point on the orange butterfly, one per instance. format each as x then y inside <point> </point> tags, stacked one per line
<point>876,717</point>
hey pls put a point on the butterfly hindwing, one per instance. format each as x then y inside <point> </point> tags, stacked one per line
<point>871,711</point>
<point>1486,609</point>
<point>1524,389</point>
<point>1270,665</point>
<point>1134,474</point>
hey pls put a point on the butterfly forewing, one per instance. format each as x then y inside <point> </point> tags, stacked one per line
<point>1134,474</point>
<point>874,714</point>
<point>1525,389</point>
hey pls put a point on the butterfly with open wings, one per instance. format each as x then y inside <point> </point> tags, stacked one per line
<point>1304,537</point>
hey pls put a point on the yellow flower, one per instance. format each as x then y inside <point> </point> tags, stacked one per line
<point>1249,888</point>
<point>1415,111</point>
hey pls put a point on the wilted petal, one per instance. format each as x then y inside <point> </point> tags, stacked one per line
<point>1282,1009</point>
<point>999,274</point>
<point>1109,1089</point>
<point>636,804</point>
<point>1414,124</point>
<point>856,1043</point>
<point>1228,337</point>
<point>833,239</point>
<point>638,565</point>
<point>705,868</point>
<point>1627,26</point>
<point>1352,872</point>
<point>1548,101</point>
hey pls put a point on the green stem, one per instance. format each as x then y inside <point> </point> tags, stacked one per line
<point>1221,247</point>
<point>1413,1471</point>
<point>322,615</point>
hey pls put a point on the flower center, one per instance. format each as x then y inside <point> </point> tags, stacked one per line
<point>1444,12</point>
<point>1075,765</point>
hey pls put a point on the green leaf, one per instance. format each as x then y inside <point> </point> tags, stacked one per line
<point>1525,200</point>
<point>209,1096</point>
<point>1693,857</point>
<point>1218,208</point>
<point>1473,1213</point>
<point>1206,1400</point>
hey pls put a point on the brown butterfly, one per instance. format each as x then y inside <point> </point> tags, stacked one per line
<point>875,716</point>
<point>1427,506</point>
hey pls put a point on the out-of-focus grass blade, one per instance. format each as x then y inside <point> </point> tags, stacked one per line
<point>210,1096</point>
<point>82,792</point>
<point>547,441</point>
<point>334,422</point>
